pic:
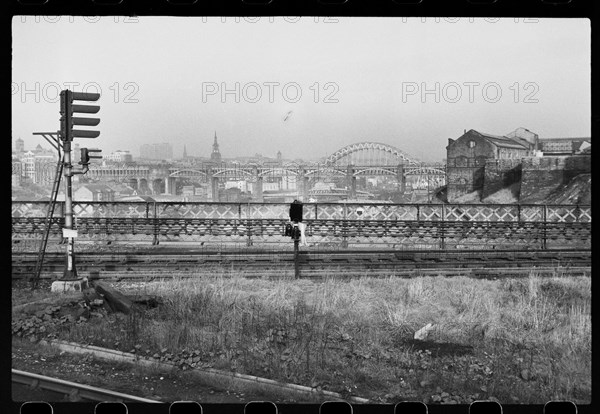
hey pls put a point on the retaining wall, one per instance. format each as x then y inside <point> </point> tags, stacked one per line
<point>541,177</point>
<point>499,174</point>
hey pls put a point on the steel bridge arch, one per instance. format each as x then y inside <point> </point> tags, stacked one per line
<point>233,173</point>
<point>185,173</point>
<point>426,171</point>
<point>374,171</point>
<point>364,146</point>
<point>278,171</point>
<point>325,171</point>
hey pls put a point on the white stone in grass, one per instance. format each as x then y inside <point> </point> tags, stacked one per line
<point>422,333</point>
<point>62,286</point>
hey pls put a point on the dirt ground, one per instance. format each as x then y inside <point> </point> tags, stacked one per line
<point>120,377</point>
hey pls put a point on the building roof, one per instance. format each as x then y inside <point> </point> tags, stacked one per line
<point>522,141</point>
<point>147,199</point>
<point>97,188</point>
<point>567,139</point>
<point>585,147</point>
<point>502,141</point>
<point>521,129</point>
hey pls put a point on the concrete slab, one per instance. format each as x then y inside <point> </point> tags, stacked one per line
<point>61,286</point>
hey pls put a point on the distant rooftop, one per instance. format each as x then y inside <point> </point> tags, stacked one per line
<point>501,141</point>
<point>567,139</point>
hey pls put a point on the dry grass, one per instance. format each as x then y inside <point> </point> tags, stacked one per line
<point>523,340</point>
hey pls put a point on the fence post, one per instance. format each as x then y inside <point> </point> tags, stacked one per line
<point>345,227</point>
<point>443,243</point>
<point>248,224</point>
<point>545,224</point>
<point>155,226</point>
<point>147,218</point>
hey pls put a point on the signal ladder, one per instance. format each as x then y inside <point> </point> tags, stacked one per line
<point>53,139</point>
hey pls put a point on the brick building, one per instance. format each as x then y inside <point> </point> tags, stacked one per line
<point>563,146</point>
<point>467,156</point>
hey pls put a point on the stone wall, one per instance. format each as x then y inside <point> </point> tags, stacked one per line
<point>463,180</point>
<point>465,164</point>
<point>541,177</point>
<point>499,174</point>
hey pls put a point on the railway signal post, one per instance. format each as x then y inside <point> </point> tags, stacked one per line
<point>67,132</point>
<point>296,236</point>
<point>296,218</point>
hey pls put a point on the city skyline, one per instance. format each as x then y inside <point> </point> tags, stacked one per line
<point>412,83</point>
<point>20,146</point>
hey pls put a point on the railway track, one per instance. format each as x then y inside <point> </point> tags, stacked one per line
<point>71,391</point>
<point>182,262</point>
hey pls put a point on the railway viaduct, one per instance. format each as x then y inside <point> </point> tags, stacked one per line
<point>348,163</point>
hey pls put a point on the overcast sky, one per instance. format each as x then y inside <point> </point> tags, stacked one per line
<point>411,83</point>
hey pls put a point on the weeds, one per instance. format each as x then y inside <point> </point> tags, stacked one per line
<point>519,340</point>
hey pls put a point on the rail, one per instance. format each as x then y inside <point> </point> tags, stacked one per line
<point>72,389</point>
<point>162,262</point>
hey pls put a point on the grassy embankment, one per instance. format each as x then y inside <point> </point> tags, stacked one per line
<point>522,340</point>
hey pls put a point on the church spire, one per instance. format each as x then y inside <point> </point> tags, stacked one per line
<point>216,155</point>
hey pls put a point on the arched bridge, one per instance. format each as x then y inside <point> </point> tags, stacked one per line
<point>370,153</point>
<point>363,159</point>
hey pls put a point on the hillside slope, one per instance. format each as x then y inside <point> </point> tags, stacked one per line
<point>577,191</point>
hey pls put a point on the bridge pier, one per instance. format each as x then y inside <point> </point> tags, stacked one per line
<point>305,189</point>
<point>214,186</point>
<point>401,178</point>
<point>143,185</point>
<point>302,185</point>
<point>257,185</point>
<point>257,189</point>
<point>351,182</point>
<point>169,186</point>
<point>133,183</point>
<point>157,186</point>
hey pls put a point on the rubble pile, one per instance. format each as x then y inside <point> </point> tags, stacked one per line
<point>41,319</point>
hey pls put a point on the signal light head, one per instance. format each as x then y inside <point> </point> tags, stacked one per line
<point>67,109</point>
<point>85,155</point>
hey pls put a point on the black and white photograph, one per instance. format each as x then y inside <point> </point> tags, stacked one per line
<point>371,210</point>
